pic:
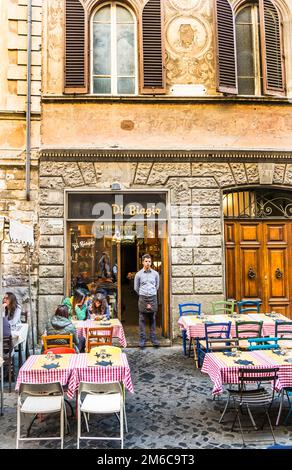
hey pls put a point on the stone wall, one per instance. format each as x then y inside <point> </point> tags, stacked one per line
<point>196,238</point>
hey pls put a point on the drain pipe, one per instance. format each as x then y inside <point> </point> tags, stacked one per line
<point>28,103</point>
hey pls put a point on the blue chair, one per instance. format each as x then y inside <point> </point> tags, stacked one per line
<point>263,343</point>
<point>216,331</point>
<point>249,306</point>
<point>188,309</point>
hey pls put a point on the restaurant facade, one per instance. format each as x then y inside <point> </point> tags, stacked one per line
<point>147,145</point>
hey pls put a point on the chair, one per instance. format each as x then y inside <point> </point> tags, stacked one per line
<point>54,341</point>
<point>255,397</point>
<point>61,350</point>
<point>224,307</point>
<point>188,309</point>
<point>8,357</point>
<point>213,332</point>
<point>283,330</point>
<point>99,336</point>
<point>247,329</point>
<point>40,399</point>
<point>263,343</point>
<point>107,398</point>
<point>249,306</point>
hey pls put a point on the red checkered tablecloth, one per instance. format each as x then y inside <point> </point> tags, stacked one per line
<point>221,372</point>
<point>195,327</point>
<point>118,330</point>
<point>100,374</point>
<point>29,375</point>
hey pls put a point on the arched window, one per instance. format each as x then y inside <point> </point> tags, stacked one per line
<point>113,50</point>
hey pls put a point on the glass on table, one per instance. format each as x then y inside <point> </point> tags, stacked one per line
<point>50,356</point>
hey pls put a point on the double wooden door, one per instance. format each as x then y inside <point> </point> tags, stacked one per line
<point>258,258</point>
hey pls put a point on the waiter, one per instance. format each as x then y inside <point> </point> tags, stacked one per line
<point>146,285</point>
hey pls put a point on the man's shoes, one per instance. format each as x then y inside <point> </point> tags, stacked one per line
<point>142,346</point>
<point>156,345</point>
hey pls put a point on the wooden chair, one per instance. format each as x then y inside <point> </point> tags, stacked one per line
<point>8,357</point>
<point>55,341</point>
<point>224,307</point>
<point>101,336</point>
<point>247,329</point>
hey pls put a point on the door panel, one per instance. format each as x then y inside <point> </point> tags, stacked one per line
<point>259,263</point>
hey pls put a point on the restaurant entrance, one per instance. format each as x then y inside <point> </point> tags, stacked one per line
<point>107,237</point>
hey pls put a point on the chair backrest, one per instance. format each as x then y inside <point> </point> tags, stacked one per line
<point>283,329</point>
<point>223,306</point>
<point>257,374</point>
<point>7,345</point>
<point>245,306</point>
<point>189,308</point>
<point>93,387</point>
<point>248,329</point>
<point>53,341</point>
<point>101,336</point>
<point>54,388</point>
<point>217,330</point>
<point>61,350</point>
<point>263,343</point>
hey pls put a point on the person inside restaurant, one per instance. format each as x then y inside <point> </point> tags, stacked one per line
<point>99,307</point>
<point>12,309</point>
<point>60,324</point>
<point>76,305</point>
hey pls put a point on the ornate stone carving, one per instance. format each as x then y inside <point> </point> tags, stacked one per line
<point>188,35</point>
<point>186,5</point>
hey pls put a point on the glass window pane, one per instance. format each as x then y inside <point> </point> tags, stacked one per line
<point>244,16</point>
<point>246,86</point>
<point>123,15</point>
<point>101,49</point>
<point>245,52</point>
<point>103,15</point>
<point>125,49</point>
<point>126,86</point>
<point>102,85</point>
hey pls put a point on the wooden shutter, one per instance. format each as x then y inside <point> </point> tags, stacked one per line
<point>272,49</point>
<point>153,70</point>
<point>226,48</point>
<point>75,48</point>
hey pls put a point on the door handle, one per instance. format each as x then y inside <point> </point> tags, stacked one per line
<point>251,273</point>
<point>278,273</point>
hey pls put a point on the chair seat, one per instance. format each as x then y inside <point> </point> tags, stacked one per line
<point>42,404</point>
<point>255,397</point>
<point>215,346</point>
<point>101,403</point>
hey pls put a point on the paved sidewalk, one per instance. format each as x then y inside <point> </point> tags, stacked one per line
<point>171,408</point>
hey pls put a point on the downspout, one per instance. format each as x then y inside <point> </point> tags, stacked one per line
<point>28,103</point>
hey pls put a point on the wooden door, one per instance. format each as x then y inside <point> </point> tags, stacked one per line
<point>259,263</point>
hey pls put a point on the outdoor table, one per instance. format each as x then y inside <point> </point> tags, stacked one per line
<point>195,326</point>
<point>99,374</point>
<point>33,372</point>
<point>118,330</point>
<point>224,369</point>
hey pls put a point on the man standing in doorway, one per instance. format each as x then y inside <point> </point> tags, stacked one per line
<point>146,285</point>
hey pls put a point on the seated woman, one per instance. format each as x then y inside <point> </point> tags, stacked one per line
<point>76,305</point>
<point>11,308</point>
<point>99,306</point>
<point>60,324</point>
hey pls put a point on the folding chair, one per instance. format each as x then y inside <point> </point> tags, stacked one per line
<point>55,341</point>
<point>40,399</point>
<point>188,309</point>
<point>249,306</point>
<point>255,397</point>
<point>213,333</point>
<point>224,307</point>
<point>101,336</point>
<point>100,399</point>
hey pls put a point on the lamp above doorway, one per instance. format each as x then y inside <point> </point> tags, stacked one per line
<point>116,187</point>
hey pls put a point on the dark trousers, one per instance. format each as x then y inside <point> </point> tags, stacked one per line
<point>143,318</point>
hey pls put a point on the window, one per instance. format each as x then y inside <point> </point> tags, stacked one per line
<point>114,50</point>
<point>249,48</point>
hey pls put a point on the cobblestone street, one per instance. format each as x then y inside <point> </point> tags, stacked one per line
<point>171,408</point>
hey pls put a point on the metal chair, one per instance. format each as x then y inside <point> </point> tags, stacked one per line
<point>40,399</point>
<point>8,357</point>
<point>107,398</point>
<point>101,336</point>
<point>263,343</point>
<point>247,329</point>
<point>255,397</point>
<point>213,332</point>
<point>283,330</point>
<point>249,306</point>
<point>188,308</point>
<point>224,307</point>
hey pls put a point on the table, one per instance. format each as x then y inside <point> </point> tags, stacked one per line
<point>99,374</point>
<point>118,330</point>
<point>223,369</point>
<point>28,374</point>
<point>195,327</point>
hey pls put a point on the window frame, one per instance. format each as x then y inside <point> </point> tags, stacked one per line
<point>114,76</point>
